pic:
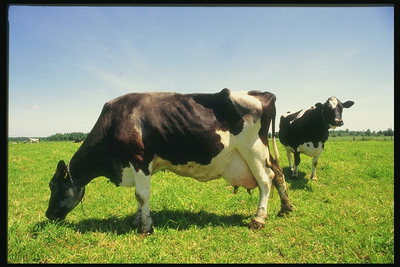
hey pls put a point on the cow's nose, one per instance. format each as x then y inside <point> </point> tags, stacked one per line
<point>50,216</point>
<point>54,216</point>
<point>339,122</point>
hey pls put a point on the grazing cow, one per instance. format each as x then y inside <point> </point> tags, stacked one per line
<point>78,140</point>
<point>306,131</point>
<point>204,136</point>
<point>32,140</point>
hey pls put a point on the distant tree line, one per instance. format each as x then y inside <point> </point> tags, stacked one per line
<point>55,137</point>
<point>367,133</point>
<point>67,136</point>
<point>82,136</point>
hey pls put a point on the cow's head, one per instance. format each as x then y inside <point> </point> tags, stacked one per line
<point>332,111</point>
<point>64,193</point>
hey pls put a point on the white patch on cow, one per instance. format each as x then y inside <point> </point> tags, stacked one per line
<point>128,179</point>
<point>300,114</point>
<point>244,99</point>
<point>309,149</point>
<point>333,102</point>
<point>142,193</point>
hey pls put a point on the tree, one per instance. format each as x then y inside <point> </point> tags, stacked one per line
<point>388,132</point>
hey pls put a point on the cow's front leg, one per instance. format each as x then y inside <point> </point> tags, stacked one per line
<point>314,168</point>
<point>296,164</point>
<point>289,157</point>
<point>138,217</point>
<point>142,193</point>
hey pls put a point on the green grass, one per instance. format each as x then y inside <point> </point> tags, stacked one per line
<point>347,216</point>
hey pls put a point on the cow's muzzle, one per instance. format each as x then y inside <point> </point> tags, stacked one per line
<point>338,122</point>
<point>53,216</point>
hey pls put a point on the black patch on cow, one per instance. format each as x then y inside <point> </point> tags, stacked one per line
<point>135,127</point>
<point>226,113</point>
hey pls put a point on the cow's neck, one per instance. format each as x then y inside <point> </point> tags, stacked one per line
<point>325,125</point>
<point>85,165</point>
<point>319,120</point>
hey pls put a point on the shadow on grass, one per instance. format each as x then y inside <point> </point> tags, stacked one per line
<point>301,182</point>
<point>165,219</point>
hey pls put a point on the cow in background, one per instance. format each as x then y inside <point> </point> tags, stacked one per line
<point>32,140</point>
<point>306,131</point>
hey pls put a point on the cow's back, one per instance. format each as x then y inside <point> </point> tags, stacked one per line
<point>302,126</point>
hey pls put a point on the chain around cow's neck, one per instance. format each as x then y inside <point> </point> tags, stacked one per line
<point>75,188</point>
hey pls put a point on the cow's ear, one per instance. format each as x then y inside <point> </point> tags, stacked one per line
<point>319,105</point>
<point>347,104</point>
<point>62,169</point>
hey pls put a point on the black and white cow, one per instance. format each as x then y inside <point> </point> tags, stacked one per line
<point>306,131</point>
<point>32,140</point>
<point>204,136</point>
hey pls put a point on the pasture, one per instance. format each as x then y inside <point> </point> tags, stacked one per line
<point>347,216</point>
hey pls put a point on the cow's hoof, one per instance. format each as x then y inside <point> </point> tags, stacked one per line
<point>146,232</point>
<point>285,210</point>
<point>314,178</point>
<point>137,222</point>
<point>255,224</point>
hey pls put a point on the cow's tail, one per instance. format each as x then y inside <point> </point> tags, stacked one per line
<point>275,147</point>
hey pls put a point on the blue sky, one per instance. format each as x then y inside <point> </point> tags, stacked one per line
<point>66,62</point>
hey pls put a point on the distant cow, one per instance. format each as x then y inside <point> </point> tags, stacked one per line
<point>306,131</point>
<point>204,136</point>
<point>32,140</point>
<point>78,140</point>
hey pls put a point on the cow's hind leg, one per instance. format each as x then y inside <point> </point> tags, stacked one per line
<point>142,193</point>
<point>280,184</point>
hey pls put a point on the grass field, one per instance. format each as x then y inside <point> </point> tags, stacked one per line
<point>347,216</point>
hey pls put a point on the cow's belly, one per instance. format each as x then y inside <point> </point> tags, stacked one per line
<point>192,169</point>
<point>310,150</point>
<point>228,164</point>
